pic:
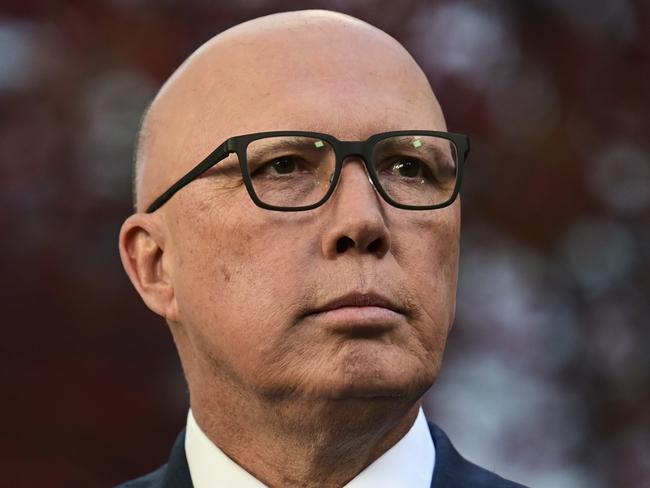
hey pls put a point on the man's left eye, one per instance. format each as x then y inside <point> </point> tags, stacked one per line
<point>407,168</point>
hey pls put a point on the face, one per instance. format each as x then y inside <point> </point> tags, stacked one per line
<point>352,299</point>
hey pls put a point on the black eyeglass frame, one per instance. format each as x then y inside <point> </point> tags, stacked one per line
<point>342,150</point>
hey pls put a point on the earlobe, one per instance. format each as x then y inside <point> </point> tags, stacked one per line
<point>142,247</point>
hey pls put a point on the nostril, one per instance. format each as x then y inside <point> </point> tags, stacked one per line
<point>375,246</point>
<point>343,244</point>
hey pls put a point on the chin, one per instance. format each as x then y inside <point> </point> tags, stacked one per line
<point>375,380</point>
<point>354,371</point>
<point>390,372</point>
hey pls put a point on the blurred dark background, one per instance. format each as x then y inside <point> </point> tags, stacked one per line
<point>547,375</point>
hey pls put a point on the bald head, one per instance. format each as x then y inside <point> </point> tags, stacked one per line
<point>243,80</point>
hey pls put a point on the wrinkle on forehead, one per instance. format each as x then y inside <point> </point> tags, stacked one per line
<point>241,76</point>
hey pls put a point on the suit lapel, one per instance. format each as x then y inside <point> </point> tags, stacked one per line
<point>453,471</point>
<point>177,474</point>
<point>447,459</point>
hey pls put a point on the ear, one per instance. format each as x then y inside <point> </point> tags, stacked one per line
<point>142,248</point>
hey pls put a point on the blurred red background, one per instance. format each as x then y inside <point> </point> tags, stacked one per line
<point>547,376</point>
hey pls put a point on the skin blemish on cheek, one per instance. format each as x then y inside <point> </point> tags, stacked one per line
<point>225,272</point>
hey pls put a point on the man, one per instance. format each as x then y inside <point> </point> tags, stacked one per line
<point>309,284</point>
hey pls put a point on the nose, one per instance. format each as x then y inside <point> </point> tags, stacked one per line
<point>356,224</point>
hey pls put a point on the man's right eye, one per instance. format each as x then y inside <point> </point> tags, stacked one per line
<point>283,166</point>
<point>287,165</point>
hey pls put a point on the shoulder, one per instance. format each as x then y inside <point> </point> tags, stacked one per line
<point>452,470</point>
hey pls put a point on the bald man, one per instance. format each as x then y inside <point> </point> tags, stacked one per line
<point>297,226</point>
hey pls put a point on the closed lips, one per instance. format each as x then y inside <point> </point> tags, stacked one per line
<point>357,299</point>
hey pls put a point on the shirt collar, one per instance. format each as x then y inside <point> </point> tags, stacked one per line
<point>410,462</point>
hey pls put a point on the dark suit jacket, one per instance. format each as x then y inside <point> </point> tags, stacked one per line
<point>451,469</point>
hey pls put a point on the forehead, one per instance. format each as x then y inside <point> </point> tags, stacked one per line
<point>333,81</point>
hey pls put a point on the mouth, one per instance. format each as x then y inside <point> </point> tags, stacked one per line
<point>357,313</point>
<point>359,300</point>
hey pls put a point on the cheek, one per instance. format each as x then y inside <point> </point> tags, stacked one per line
<point>230,298</point>
<point>429,249</point>
<point>430,258</point>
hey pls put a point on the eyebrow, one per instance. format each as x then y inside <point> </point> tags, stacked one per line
<point>283,143</point>
<point>400,143</point>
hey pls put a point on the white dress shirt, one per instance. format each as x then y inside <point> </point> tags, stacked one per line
<point>409,463</point>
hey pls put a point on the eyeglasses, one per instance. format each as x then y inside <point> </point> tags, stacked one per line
<point>295,170</point>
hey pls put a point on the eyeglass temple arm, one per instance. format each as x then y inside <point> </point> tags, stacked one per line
<point>211,160</point>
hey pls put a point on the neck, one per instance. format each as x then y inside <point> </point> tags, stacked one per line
<point>304,442</point>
